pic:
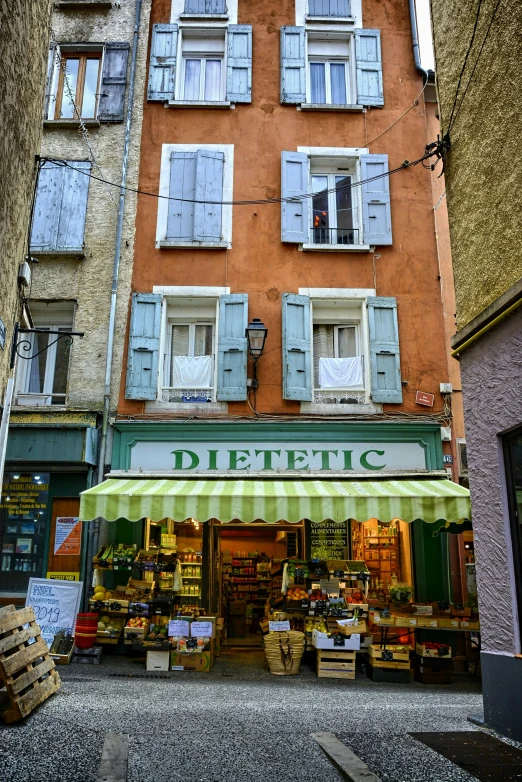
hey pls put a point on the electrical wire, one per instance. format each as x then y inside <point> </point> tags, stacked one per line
<point>255,202</point>
<point>476,62</point>
<point>470,46</point>
<point>415,103</point>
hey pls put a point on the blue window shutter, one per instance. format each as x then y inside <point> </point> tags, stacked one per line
<point>294,184</point>
<point>209,188</point>
<point>204,7</point>
<point>333,8</point>
<point>232,348</point>
<point>376,208</point>
<point>239,63</point>
<point>47,207</point>
<point>180,220</point>
<point>60,207</point>
<point>368,61</point>
<point>73,210</point>
<point>113,82</point>
<point>162,67</point>
<point>297,348</point>
<point>144,339</point>
<point>385,360</point>
<point>293,65</point>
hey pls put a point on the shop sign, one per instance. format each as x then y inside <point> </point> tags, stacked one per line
<point>202,630</point>
<point>178,627</point>
<point>281,456</point>
<point>279,627</point>
<point>67,536</point>
<point>55,604</point>
<point>328,539</point>
<point>57,576</point>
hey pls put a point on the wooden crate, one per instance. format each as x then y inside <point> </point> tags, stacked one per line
<point>400,654</point>
<point>422,651</point>
<point>63,659</point>
<point>335,665</point>
<point>26,669</point>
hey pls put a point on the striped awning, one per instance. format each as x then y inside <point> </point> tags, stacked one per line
<point>276,500</point>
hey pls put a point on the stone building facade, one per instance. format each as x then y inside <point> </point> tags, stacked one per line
<point>483,172</point>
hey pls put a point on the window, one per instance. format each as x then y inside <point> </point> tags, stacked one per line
<point>87,81</point>
<point>42,380</point>
<point>338,354</point>
<point>203,71</point>
<point>60,208</point>
<point>329,8</point>
<point>349,207</point>
<point>190,362</point>
<point>197,180</point>
<point>513,466</point>
<point>78,85</point>
<point>329,71</point>
<point>205,7</point>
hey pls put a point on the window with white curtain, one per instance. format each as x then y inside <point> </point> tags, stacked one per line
<point>338,353</point>
<point>203,71</point>
<point>191,362</point>
<point>329,75</point>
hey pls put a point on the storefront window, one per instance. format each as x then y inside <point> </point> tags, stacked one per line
<point>23,525</point>
<point>513,461</point>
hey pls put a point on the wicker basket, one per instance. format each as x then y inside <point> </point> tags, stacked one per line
<point>284,651</point>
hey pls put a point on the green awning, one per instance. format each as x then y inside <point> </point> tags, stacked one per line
<point>276,500</point>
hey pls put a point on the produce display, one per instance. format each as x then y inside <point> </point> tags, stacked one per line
<point>138,622</point>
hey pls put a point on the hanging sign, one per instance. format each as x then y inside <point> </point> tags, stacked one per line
<point>279,627</point>
<point>67,536</point>
<point>55,605</point>
<point>178,627</point>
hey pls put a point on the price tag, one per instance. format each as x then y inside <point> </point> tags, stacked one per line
<point>201,630</point>
<point>339,640</point>
<point>279,627</point>
<point>305,603</point>
<point>192,643</point>
<point>387,655</point>
<point>178,627</point>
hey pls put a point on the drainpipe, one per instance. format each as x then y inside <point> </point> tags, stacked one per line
<point>116,269</point>
<point>415,41</point>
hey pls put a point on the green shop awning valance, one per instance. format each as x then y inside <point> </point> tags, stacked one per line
<point>276,500</point>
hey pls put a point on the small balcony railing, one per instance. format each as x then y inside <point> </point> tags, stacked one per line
<point>331,396</point>
<point>333,8</point>
<point>191,396</point>
<point>205,7</point>
<point>334,236</point>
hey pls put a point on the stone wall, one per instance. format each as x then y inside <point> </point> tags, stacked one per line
<point>89,281</point>
<point>24,42</point>
<point>484,166</point>
<point>492,378</point>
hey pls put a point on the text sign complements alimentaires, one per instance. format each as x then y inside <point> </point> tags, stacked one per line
<point>55,605</point>
<point>328,540</point>
<point>256,457</point>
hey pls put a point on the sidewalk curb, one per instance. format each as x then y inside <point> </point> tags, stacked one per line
<point>346,762</point>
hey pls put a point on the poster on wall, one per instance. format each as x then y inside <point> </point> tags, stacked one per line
<point>55,604</point>
<point>329,540</point>
<point>67,536</point>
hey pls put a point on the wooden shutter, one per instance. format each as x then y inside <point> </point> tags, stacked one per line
<point>51,63</point>
<point>144,339</point>
<point>333,8</point>
<point>60,207</point>
<point>376,208</point>
<point>209,188</point>
<point>113,82</point>
<point>232,348</point>
<point>297,353</point>
<point>295,184</point>
<point>162,67</point>
<point>205,7</point>
<point>385,361</point>
<point>239,63</point>
<point>293,65</point>
<point>368,61</point>
<point>180,220</point>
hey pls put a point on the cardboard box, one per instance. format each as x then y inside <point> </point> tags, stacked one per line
<point>158,661</point>
<point>321,641</point>
<point>201,662</point>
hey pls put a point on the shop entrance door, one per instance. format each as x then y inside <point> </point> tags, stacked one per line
<point>65,549</point>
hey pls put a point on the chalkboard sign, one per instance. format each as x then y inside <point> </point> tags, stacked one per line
<point>328,539</point>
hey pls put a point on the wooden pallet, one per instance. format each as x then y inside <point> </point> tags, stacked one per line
<point>26,669</point>
<point>335,665</point>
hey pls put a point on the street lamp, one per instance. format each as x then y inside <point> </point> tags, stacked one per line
<point>256,334</point>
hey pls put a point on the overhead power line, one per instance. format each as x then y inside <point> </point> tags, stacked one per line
<point>470,46</point>
<point>431,151</point>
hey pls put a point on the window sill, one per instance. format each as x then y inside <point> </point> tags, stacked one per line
<point>192,407</point>
<point>206,17</point>
<point>336,248</point>
<point>326,409</point>
<point>75,254</point>
<point>71,123</point>
<point>193,245</point>
<point>330,19</point>
<point>347,107</point>
<point>200,104</point>
<point>83,4</point>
